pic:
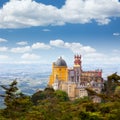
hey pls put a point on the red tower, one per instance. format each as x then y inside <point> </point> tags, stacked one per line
<point>77,60</point>
<point>77,67</point>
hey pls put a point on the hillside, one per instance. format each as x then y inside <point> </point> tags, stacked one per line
<point>55,105</point>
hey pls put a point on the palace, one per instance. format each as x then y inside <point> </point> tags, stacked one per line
<point>75,80</point>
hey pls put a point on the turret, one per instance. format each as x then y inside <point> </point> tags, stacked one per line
<point>77,67</point>
<point>77,60</point>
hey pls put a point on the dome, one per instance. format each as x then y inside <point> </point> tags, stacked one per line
<point>60,62</point>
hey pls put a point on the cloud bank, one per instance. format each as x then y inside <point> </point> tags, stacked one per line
<point>27,13</point>
<point>31,53</point>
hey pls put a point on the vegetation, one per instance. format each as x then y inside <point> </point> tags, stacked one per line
<point>55,105</point>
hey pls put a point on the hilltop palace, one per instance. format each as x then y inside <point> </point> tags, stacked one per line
<point>75,80</point>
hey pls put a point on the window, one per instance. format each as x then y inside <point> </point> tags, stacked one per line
<point>72,78</point>
<point>77,78</point>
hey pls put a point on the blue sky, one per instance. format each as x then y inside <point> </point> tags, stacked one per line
<point>40,31</point>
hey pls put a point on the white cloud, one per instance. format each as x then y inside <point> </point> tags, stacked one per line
<point>116,34</point>
<point>24,49</point>
<point>84,11</point>
<point>3,57</point>
<point>57,43</point>
<point>115,53</point>
<point>100,58</point>
<point>74,47</point>
<point>89,54</point>
<point>3,49</point>
<point>46,30</point>
<point>39,45</point>
<point>22,43</point>
<point>21,49</point>
<point>29,56</point>
<point>94,58</point>
<point>2,40</point>
<point>26,13</point>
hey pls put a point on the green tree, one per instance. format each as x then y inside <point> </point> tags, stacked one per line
<point>61,95</point>
<point>117,90</point>
<point>47,93</point>
<point>112,82</point>
<point>16,103</point>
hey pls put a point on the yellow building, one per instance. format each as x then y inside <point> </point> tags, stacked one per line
<point>59,71</point>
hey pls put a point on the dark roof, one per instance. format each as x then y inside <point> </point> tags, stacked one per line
<point>60,62</point>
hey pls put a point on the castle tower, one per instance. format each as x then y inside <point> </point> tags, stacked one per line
<point>77,67</point>
<point>59,71</point>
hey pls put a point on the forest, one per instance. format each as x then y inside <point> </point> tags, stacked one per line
<point>49,104</point>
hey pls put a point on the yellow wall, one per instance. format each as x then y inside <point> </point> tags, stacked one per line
<point>58,72</point>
